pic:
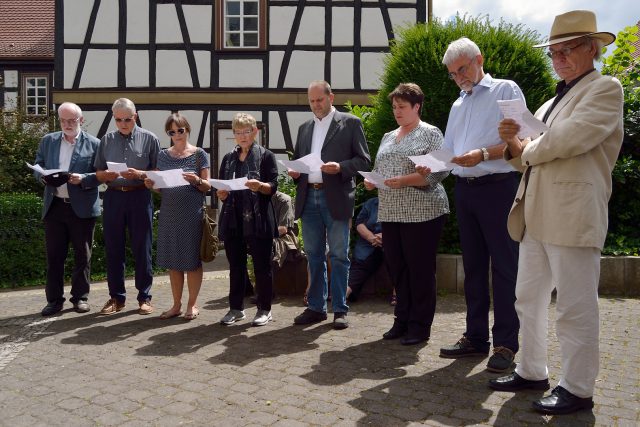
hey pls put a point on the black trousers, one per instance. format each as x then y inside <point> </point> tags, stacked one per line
<point>261,251</point>
<point>410,253</point>
<point>361,269</point>
<point>482,210</point>
<point>61,227</point>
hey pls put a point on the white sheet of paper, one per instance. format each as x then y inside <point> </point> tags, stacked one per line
<point>167,179</point>
<point>374,178</point>
<point>307,164</point>
<point>117,167</point>
<point>437,161</point>
<point>229,184</point>
<point>530,127</point>
<point>44,172</point>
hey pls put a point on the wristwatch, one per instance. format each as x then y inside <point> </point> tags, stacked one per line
<point>485,154</point>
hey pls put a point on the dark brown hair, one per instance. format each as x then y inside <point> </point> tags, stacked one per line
<point>180,121</point>
<point>409,92</point>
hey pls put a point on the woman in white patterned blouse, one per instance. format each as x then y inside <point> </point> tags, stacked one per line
<point>413,211</point>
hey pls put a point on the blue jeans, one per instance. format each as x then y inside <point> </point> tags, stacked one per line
<point>318,227</point>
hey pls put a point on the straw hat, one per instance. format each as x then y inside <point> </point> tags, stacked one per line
<point>575,24</point>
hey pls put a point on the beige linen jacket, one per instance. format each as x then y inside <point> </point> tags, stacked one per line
<point>565,200</point>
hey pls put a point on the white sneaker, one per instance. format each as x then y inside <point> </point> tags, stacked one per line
<point>232,317</point>
<point>262,318</point>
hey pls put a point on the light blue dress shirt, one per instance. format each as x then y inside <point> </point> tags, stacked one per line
<point>473,123</point>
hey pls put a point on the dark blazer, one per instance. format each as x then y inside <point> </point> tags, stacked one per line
<point>345,144</point>
<point>84,197</point>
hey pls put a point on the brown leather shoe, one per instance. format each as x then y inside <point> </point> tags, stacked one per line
<point>112,306</point>
<point>145,307</point>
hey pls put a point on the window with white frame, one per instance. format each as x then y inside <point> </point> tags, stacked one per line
<point>35,95</point>
<point>241,24</point>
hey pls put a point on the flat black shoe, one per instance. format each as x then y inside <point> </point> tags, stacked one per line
<point>81,306</point>
<point>309,316</point>
<point>340,320</point>
<point>514,382</point>
<point>463,348</point>
<point>561,401</point>
<point>413,340</point>
<point>51,308</point>
<point>398,330</point>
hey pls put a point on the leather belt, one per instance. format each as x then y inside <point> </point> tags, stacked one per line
<point>62,199</point>
<point>316,185</point>
<point>484,179</point>
<point>126,188</point>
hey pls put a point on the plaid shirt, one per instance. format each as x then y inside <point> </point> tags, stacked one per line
<point>410,204</point>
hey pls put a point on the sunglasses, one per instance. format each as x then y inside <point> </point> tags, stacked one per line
<point>127,120</point>
<point>173,132</point>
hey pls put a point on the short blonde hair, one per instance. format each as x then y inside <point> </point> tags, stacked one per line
<point>124,104</point>
<point>243,120</point>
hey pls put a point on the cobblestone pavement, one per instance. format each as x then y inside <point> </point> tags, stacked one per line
<point>129,370</point>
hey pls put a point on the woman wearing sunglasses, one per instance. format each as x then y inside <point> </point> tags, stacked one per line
<point>180,218</point>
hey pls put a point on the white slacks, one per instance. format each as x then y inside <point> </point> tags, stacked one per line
<point>575,273</point>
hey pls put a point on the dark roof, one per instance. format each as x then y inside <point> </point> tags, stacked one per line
<point>27,29</point>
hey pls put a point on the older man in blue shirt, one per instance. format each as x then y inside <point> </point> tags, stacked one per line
<point>127,204</point>
<point>485,188</point>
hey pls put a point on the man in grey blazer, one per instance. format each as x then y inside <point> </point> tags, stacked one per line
<point>325,200</point>
<point>559,215</point>
<point>70,208</point>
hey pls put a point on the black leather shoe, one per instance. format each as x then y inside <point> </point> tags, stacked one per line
<point>514,382</point>
<point>398,330</point>
<point>561,401</point>
<point>413,340</point>
<point>309,316</point>
<point>463,348</point>
<point>340,320</point>
<point>81,306</point>
<point>51,308</point>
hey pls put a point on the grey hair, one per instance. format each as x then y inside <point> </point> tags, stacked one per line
<point>459,48</point>
<point>599,46</point>
<point>124,104</point>
<point>70,106</point>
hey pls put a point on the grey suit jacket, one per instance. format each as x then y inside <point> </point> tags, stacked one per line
<point>84,197</point>
<point>345,144</point>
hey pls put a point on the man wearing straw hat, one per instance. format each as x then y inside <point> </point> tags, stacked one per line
<point>559,215</point>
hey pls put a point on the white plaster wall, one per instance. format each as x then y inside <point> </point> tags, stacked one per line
<point>304,67</point>
<point>172,69</point>
<point>276,138</point>
<point>71,57</point>
<point>280,22</point>
<point>198,23</point>
<point>311,29</point>
<point>100,69</point>
<point>240,73</point>
<point>167,26</point>
<point>296,118</point>
<point>106,28</point>
<point>275,62</point>
<point>76,20</point>
<point>342,26</point>
<point>373,32</point>
<point>342,70</point>
<point>402,17</point>
<point>203,65</point>
<point>93,120</point>
<point>137,68</point>
<point>137,21</point>
<point>10,101</point>
<point>371,67</point>
<point>10,78</point>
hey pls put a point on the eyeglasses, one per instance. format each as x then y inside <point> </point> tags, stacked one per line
<point>127,120</point>
<point>173,132</point>
<point>243,132</point>
<point>565,51</point>
<point>461,71</point>
<point>69,121</point>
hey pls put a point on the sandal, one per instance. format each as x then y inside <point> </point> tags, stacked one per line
<point>190,316</point>
<point>170,314</point>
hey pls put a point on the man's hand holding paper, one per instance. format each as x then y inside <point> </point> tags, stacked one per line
<point>530,127</point>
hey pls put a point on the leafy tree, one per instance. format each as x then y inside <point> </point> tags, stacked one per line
<point>624,206</point>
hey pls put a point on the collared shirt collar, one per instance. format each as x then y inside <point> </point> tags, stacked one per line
<point>130,135</point>
<point>486,81</point>
<point>64,139</point>
<point>326,119</point>
<point>563,87</point>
